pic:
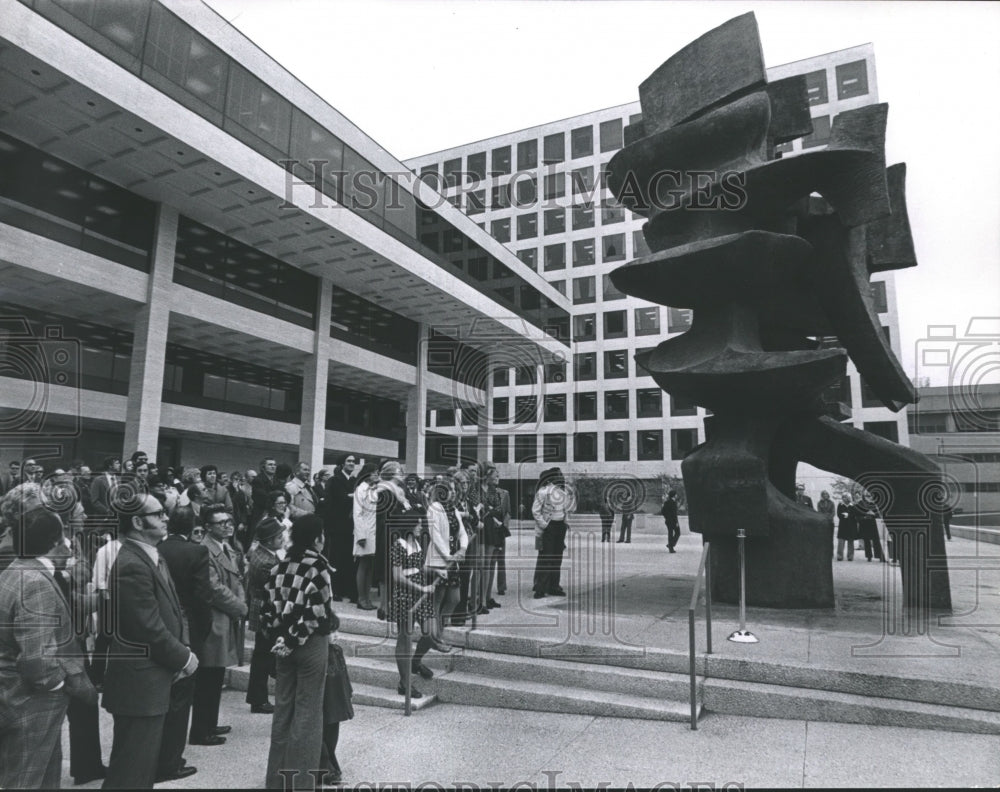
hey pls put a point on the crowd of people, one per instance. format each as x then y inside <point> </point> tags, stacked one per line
<point>858,523</point>
<point>151,577</point>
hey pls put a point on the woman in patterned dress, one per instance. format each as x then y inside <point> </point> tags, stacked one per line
<point>410,599</point>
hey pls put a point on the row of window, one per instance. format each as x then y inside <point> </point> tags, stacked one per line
<point>617,404</point>
<point>553,222</point>
<point>581,144</point>
<point>851,80</point>
<point>617,446</point>
<point>958,421</point>
<point>522,190</point>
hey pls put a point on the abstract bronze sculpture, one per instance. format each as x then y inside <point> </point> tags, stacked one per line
<point>774,257</point>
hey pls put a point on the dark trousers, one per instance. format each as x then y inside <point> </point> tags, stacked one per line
<point>175,727</point>
<point>625,534</point>
<point>606,526</point>
<point>501,556</point>
<point>673,534</point>
<point>549,564</point>
<point>341,555</point>
<point>134,752</point>
<point>207,695</point>
<point>878,548</point>
<point>261,663</point>
<point>84,736</point>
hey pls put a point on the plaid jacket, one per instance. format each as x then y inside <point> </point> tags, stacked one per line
<point>299,600</point>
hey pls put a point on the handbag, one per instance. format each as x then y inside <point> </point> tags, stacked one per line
<point>337,690</point>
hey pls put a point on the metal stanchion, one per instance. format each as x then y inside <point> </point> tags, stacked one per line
<point>743,635</point>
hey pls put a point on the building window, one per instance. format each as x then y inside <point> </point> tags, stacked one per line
<point>639,246</point>
<point>554,148</point>
<point>682,441</point>
<point>782,148</point>
<point>615,404</point>
<point>553,221</point>
<point>611,215</point>
<point>445,417</point>
<point>500,229</point>
<point>526,409</point>
<point>554,447</point>
<point>650,444</point>
<point>501,448</point>
<point>585,366</point>
<point>501,377</point>
<point>611,135</point>
<point>584,290</point>
<point>470,416</point>
<point>262,111</point>
<point>555,185</point>
<point>879,301</point>
<point>584,327</point>
<point>501,410</point>
<point>477,166</point>
<point>555,372</point>
<point>868,397</point>
<point>555,407</point>
<point>679,319</point>
<point>611,291</point>
<point>816,87</point>
<point>475,202</point>
<point>527,226</point>
<point>613,247</point>
<point>582,180</point>
<point>615,324</point>
<point>852,79</point>
<point>649,403</point>
<point>616,447</point>
<point>500,161</point>
<point>585,406</point>
<point>525,448</point>
<point>647,321</point>
<point>820,135</point>
<point>585,447</point>
<point>582,142</point>
<point>615,364</point>
<point>500,197</point>
<point>583,216</point>
<point>527,191</point>
<point>525,375</point>
<point>530,257</point>
<point>559,286</point>
<point>887,429</point>
<point>527,155</point>
<point>583,252</point>
<point>639,370</point>
<point>453,172</point>
<point>555,257</point>
<point>681,406</point>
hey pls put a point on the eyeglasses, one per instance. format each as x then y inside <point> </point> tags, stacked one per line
<point>197,532</point>
<point>221,522</point>
<point>157,513</point>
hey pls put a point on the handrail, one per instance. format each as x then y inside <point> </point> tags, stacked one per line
<point>704,570</point>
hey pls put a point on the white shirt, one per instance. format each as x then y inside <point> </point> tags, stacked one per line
<point>103,561</point>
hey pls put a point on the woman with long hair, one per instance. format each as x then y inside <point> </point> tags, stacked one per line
<point>445,550</point>
<point>299,618</point>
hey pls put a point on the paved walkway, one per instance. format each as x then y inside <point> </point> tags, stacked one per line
<point>637,595</point>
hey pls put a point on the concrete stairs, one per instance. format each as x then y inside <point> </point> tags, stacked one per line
<point>494,667</point>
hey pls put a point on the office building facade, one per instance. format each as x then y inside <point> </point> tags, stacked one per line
<point>202,259</point>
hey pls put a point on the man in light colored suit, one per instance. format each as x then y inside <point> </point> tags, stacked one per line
<point>302,498</point>
<point>149,649</point>
<point>39,659</point>
<point>219,648</point>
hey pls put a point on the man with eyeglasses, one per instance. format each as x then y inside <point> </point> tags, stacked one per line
<point>219,649</point>
<point>148,615</point>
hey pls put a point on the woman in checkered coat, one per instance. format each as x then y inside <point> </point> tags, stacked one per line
<point>299,617</point>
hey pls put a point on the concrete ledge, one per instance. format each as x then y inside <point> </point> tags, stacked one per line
<point>776,701</point>
<point>981,534</point>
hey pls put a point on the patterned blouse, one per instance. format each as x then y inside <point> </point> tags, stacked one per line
<point>299,600</point>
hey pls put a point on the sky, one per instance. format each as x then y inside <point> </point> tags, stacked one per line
<point>420,76</point>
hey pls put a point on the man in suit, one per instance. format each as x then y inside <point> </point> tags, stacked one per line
<point>338,524</point>
<point>265,482</point>
<point>103,486</point>
<point>188,565</point>
<point>149,650</point>
<point>219,649</point>
<point>11,477</point>
<point>302,498</point>
<point>39,659</point>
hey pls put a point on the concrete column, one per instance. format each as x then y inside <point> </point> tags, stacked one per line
<point>149,344</point>
<point>416,410</point>
<point>483,420</point>
<point>312,424</point>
